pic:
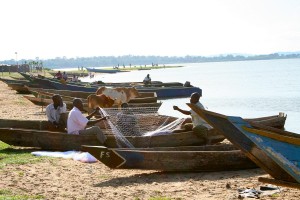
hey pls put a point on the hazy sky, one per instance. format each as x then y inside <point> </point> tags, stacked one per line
<point>71,28</point>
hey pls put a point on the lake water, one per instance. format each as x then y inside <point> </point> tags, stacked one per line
<point>243,88</point>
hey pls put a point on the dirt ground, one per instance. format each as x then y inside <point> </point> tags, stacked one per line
<point>68,179</point>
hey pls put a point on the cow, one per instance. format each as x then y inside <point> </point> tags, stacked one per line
<point>100,100</point>
<point>120,95</point>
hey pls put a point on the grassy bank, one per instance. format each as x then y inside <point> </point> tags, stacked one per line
<point>11,155</point>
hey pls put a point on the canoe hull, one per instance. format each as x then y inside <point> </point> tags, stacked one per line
<point>225,126</point>
<point>62,141</point>
<point>205,158</point>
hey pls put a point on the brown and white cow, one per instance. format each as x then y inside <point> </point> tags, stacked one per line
<point>100,100</point>
<point>120,95</point>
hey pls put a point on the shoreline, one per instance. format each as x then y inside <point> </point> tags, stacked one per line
<point>67,179</point>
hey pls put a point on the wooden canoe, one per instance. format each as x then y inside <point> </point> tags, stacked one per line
<point>108,84</point>
<point>145,97</point>
<point>61,141</point>
<point>198,158</point>
<point>27,132</point>
<point>162,92</point>
<point>41,101</point>
<point>274,150</point>
<point>110,71</point>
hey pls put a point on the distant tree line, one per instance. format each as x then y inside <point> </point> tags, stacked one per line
<point>99,61</point>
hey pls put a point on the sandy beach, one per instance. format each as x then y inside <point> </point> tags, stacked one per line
<point>68,179</point>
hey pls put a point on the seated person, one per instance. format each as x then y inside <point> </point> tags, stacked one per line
<point>65,76</point>
<point>197,121</point>
<point>58,75</point>
<point>147,80</point>
<point>74,78</point>
<point>77,122</point>
<point>127,122</point>
<point>54,112</point>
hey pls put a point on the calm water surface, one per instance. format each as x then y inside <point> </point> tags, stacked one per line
<point>244,88</point>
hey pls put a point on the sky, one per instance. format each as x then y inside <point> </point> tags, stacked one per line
<point>48,29</point>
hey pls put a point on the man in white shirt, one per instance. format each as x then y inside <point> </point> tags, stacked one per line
<point>55,112</point>
<point>147,80</point>
<point>77,122</point>
<point>196,119</point>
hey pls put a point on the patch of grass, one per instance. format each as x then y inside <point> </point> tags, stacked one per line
<point>7,194</point>
<point>10,155</point>
<point>275,195</point>
<point>15,75</point>
<point>160,198</point>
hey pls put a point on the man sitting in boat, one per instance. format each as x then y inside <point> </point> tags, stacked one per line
<point>198,124</point>
<point>58,75</point>
<point>147,80</point>
<point>55,113</point>
<point>77,122</point>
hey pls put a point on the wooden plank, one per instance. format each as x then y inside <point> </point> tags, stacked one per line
<point>279,182</point>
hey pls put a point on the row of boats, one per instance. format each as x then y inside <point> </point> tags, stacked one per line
<point>254,142</point>
<point>162,90</point>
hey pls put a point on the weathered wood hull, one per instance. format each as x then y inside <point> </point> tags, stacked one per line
<point>162,92</point>
<point>198,158</point>
<point>110,71</point>
<point>41,101</point>
<point>281,148</point>
<point>69,96</point>
<point>145,97</point>
<point>234,128</point>
<point>62,141</point>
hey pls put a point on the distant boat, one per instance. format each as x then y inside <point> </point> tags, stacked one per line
<point>274,150</point>
<point>103,70</point>
<point>162,92</point>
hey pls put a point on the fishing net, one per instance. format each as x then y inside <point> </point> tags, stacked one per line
<point>137,121</point>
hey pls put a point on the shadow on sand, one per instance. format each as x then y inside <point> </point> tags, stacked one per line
<point>159,177</point>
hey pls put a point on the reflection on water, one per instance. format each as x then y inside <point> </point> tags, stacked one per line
<point>242,88</point>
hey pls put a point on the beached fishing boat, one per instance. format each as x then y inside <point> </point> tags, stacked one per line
<point>70,74</point>
<point>162,92</point>
<point>110,71</point>
<point>144,97</point>
<point>192,158</point>
<point>42,101</point>
<point>61,141</point>
<point>5,80</point>
<point>274,150</point>
<point>33,133</point>
<point>108,84</point>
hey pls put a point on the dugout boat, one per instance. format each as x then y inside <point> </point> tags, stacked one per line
<point>162,92</point>
<point>42,101</point>
<point>274,150</point>
<point>144,97</point>
<point>48,140</point>
<point>174,159</point>
<point>34,133</point>
<point>110,71</point>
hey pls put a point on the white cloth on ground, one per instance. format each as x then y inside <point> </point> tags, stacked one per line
<point>75,155</point>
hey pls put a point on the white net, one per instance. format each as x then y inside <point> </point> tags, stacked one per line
<point>137,121</point>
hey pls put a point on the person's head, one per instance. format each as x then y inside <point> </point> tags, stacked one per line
<point>124,105</point>
<point>57,100</point>
<point>195,97</point>
<point>78,103</point>
<point>148,75</point>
